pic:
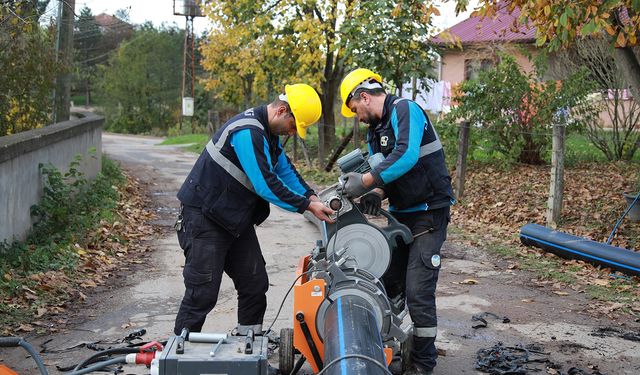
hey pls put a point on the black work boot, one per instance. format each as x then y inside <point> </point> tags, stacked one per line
<point>417,370</point>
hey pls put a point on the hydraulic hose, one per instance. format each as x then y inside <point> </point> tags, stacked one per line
<point>100,365</point>
<point>104,353</point>
<point>9,342</point>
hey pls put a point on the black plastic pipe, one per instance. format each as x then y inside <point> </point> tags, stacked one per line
<point>573,247</point>
<point>352,337</point>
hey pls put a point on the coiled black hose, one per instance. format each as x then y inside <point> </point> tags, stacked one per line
<point>9,342</point>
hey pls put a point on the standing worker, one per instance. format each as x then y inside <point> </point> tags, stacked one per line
<point>228,191</point>
<point>414,177</point>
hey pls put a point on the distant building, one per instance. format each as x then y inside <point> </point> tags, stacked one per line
<point>482,38</point>
<point>113,29</point>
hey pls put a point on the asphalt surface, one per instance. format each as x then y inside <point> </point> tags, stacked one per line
<point>559,327</point>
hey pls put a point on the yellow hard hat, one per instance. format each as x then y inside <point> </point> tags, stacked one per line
<point>305,105</point>
<point>350,82</point>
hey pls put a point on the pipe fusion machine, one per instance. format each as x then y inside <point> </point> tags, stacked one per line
<point>344,323</point>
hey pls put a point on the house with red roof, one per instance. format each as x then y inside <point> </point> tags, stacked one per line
<point>473,45</point>
<point>481,39</point>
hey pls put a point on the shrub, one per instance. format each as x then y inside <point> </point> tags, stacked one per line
<point>514,112</point>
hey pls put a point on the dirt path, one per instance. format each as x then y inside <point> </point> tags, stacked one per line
<point>148,298</point>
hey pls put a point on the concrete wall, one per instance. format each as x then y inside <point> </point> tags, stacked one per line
<point>21,182</point>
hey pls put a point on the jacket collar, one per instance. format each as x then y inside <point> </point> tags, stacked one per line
<point>260,113</point>
<point>386,110</point>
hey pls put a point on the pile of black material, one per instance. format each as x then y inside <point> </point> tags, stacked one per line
<point>507,360</point>
<point>614,332</point>
<point>481,322</point>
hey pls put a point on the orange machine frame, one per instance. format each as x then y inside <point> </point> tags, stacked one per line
<point>307,297</point>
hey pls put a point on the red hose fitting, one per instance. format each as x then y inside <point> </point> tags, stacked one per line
<point>148,352</point>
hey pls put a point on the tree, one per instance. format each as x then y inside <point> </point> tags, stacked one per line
<point>559,23</point>
<point>307,41</point>
<point>623,139</point>
<point>87,47</point>
<point>141,82</point>
<point>392,41</point>
<point>25,51</point>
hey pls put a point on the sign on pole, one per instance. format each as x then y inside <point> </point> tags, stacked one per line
<point>187,106</point>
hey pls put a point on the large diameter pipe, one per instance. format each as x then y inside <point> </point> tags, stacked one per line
<point>573,247</point>
<point>352,341</point>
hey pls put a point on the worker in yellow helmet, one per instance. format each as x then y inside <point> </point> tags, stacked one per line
<point>241,171</point>
<point>414,177</point>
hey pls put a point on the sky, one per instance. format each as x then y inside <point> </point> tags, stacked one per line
<point>159,11</point>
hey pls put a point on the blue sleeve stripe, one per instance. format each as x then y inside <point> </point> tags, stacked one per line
<point>249,162</point>
<point>416,208</point>
<point>286,174</point>
<point>409,158</point>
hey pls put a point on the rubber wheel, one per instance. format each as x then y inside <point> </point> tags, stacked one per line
<point>286,353</point>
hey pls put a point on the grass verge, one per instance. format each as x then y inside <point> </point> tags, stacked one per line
<point>37,274</point>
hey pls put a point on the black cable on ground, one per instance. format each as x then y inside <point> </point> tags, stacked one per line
<point>298,365</point>
<point>359,356</point>
<point>615,227</point>
<point>105,353</point>
<point>283,300</point>
<point>100,365</point>
<point>8,342</point>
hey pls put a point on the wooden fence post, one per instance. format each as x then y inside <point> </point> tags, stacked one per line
<point>461,163</point>
<point>554,205</point>
<point>210,126</point>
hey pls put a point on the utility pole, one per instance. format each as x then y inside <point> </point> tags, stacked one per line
<point>189,9</point>
<point>64,50</point>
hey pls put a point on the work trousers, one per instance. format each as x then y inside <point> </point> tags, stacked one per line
<point>413,273</point>
<point>209,251</point>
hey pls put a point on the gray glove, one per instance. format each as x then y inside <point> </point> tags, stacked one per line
<point>353,185</point>
<point>370,203</point>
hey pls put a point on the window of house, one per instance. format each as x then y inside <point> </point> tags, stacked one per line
<point>474,66</point>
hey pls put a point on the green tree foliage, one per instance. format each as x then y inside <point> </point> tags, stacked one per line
<point>87,41</point>
<point>27,67</point>
<point>392,41</point>
<point>514,112</point>
<point>142,81</point>
<point>267,44</point>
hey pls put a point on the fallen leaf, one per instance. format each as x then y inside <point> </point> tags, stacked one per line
<point>469,281</point>
<point>560,293</point>
<point>25,328</point>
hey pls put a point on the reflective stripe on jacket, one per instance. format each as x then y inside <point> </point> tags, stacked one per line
<point>243,168</point>
<point>413,172</point>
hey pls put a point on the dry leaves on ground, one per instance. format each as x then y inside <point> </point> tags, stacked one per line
<point>107,249</point>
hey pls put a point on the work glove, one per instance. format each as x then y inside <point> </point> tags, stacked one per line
<point>353,185</point>
<point>370,203</point>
